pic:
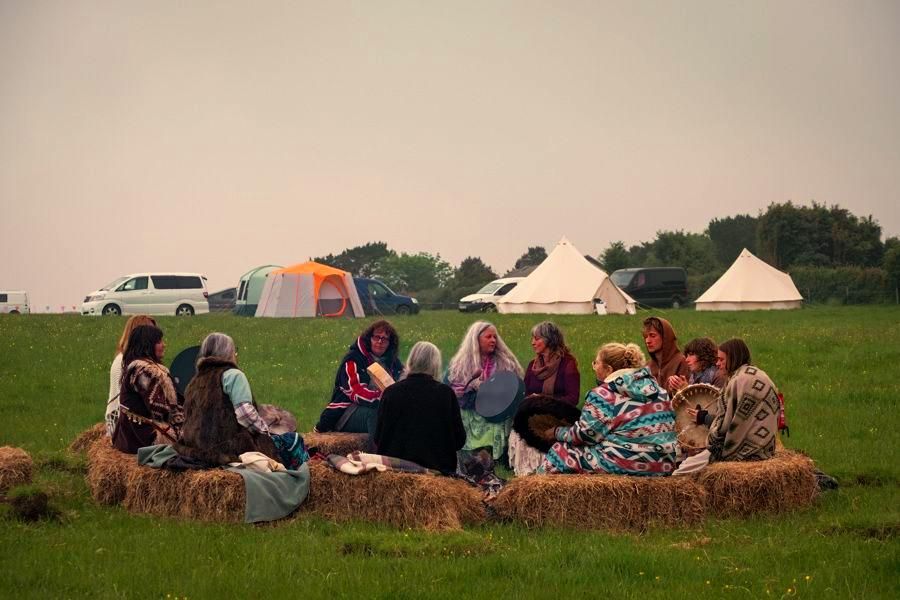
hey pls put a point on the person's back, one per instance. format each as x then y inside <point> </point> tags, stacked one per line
<point>747,422</point>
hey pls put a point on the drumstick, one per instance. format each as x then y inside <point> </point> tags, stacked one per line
<point>473,378</point>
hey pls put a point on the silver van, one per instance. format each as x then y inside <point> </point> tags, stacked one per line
<point>181,294</point>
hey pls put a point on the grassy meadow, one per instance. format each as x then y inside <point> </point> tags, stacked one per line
<point>838,369</point>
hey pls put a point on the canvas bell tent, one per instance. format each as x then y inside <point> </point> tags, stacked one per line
<point>309,289</point>
<point>750,284</point>
<point>250,288</point>
<point>566,283</point>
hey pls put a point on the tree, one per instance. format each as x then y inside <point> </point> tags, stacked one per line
<point>473,272</point>
<point>891,261</point>
<point>535,255</point>
<point>731,235</point>
<point>615,257</point>
<point>692,251</point>
<point>360,261</point>
<point>414,272</point>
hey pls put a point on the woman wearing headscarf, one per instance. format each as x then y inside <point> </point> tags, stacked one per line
<point>354,399</point>
<point>115,370</point>
<point>666,359</point>
<point>150,409</point>
<point>481,354</point>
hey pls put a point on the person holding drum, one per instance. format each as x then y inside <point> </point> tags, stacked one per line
<point>700,356</point>
<point>150,408</point>
<point>626,427</point>
<point>666,359</point>
<point>481,354</point>
<point>419,418</point>
<point>354,399</point>
<point>115,370</point>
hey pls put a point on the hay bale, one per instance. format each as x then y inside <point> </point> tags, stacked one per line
<point>334,442</point>
<point>87,437</point>
<point>785,482</point>
<point>399,499</point>
<point>15,467</point>
<point>209,495</point>
<point>612,502</point>
<point>107,471</point>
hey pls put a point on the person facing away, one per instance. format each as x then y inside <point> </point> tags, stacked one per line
<point>419,417</point>
<point>355,398</point>
<point>666,359</point>
<point>627,426</point>
<point>553,371</point>
<point>151,409</point>
<point>221,420</point>
<point>115,371</point>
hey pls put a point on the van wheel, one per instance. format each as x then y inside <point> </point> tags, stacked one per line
<point>185,310</point>
<point>489,308</point>
<point>676,302</point>
<point>403,310</point>
<point>111,309</point>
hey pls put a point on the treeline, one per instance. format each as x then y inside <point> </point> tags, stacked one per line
<point>832,255</point>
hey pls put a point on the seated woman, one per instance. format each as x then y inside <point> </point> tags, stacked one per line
<point>221,421</point>
<point>553,371</point>
<point>150,409</point>
<point>481,354</point>
<point>627,426</point>
<point>419,418</point>
<point>354,399</point>
<point>700,356</point>
<point>665,357</point>
<point>115,371</point>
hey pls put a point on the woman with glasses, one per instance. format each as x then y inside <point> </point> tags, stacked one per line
<point>355,399</point>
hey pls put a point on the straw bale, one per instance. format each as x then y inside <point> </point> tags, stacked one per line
<point>87,437</point>
<point>334,442</point>
<point>402,500</point>
<point>107,471</point>
<point>15,467</point>
<point>612,502</point>
<point>206,495</point>
<point>785,482</point>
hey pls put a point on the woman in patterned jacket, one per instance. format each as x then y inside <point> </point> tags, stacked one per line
<point>627,426</point>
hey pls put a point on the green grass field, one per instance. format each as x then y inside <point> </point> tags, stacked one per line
<point>838,369</point>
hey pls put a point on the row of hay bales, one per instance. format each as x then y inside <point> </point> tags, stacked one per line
<point>617,503</point>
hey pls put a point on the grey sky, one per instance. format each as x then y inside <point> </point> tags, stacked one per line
<point>216,136</point>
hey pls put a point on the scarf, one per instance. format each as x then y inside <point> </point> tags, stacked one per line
<point>747,419</point>
<point>546,370</point>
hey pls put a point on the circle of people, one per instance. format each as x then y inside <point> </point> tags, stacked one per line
<point>626,425</point>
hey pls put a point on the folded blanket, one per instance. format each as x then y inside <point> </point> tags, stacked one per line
<point>357,463</point>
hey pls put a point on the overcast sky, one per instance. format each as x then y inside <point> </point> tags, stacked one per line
<point>216,136</point>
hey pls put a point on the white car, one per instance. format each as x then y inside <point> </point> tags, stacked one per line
<point>485,299</point>
<point>150,294</point>
<point>14,303</point>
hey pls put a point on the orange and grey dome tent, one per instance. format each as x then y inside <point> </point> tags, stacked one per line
<point>309,289</point>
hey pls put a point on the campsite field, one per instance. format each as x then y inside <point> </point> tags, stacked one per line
<point>838,369</point>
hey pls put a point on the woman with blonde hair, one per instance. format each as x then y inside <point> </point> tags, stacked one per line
<point>481,354</point>
<point>626,427</point>
<point>115,371</point>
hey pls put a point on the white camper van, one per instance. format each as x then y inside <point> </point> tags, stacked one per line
<point>150,294</point>
<point>14,303</point>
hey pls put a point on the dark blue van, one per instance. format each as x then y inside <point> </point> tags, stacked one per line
<point>378,299</point>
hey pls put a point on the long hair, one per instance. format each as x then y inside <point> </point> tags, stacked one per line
<point>737,354</point>
<point>552,336</point>
<point>423,358</point>
<point>130,324</point>
<point>217,345</point>
<point>142,344</point>
<point>705,351</point>
<point>467,359</point>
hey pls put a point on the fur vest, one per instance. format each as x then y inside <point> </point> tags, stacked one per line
<point>211,431</point>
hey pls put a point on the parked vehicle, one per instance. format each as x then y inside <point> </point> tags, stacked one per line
<point>14,303</point>
<point>654,286</point>
<point>181,294</point>
<point>223,300</point>
<point>378,298</point>
<point>485,299</point>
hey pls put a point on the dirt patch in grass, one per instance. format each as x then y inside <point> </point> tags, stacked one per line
<point>882,533</point>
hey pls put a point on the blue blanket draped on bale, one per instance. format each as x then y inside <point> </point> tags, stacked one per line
<point>269,496</point>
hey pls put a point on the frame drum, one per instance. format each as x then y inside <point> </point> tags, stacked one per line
<point>691,436</point>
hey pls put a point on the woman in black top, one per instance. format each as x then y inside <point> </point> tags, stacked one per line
<point>419,418</point>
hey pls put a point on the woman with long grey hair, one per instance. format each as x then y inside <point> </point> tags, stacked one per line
<point>481,354</point>
<point>419,419</point>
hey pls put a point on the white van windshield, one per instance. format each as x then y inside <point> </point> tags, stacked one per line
<point>115,283</point>
<point>490,288</point>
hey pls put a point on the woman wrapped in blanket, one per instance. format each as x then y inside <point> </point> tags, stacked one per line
<point>115,371</point>
<point>150,408</point>
<point>481,354</point>
<point>354,400</point>
<point>627,426</point>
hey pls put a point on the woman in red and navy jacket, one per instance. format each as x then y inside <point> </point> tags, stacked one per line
<point>354,401</point>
